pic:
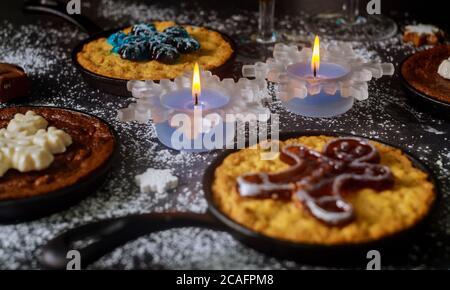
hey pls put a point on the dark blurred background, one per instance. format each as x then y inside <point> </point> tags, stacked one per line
<point>430,11</point>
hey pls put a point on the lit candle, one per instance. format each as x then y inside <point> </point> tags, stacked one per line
<point>322,100</point>
<point>198,114</point>
<point>187,128</point>
<point>196,86</point>
<point>186,100</point>
<point>315,60</point>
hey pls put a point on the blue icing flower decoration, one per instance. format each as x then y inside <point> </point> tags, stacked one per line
<point>143,29</point>
<point>135,51</point>
<point>116,39</point>
<point>164,52</point>
<point>177,31</point>
<point>144,42</point>
<point>159,37</point>
<point>115,49</point>
<point>185,45</point>
<point>132,39</point>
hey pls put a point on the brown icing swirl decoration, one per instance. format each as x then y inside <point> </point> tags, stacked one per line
<point>317,179</point>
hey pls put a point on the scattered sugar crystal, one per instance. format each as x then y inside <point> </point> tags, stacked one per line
<point>388,69</point>
<point>156,180</point>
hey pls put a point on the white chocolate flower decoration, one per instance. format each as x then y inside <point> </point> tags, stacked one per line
<point>26,144</point>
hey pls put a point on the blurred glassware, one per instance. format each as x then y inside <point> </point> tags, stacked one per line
<point>351,25</point>
<point>266,31</point>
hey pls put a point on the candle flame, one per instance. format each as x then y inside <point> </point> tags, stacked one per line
<point>196,88</point>
<point>315,60</point>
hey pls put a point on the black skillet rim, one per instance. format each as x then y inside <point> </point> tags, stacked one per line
<point>98,173</point>
<point>223,218</point>
<point>227,64</point>
<point>418,94</point>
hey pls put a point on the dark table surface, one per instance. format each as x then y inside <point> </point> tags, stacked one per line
<point>42,45</point>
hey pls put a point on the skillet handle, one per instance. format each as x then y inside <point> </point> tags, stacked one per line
<point>94,240</point>
<point>56,8</point>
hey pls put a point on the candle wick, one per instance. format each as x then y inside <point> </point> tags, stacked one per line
<point>196,99</point>
<point>315,70</point>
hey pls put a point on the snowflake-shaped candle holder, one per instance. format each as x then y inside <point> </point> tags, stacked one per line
<point>341,77</point>
<point>220,100</point>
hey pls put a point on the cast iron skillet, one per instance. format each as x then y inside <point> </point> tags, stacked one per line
<point>96,239</point>
<point>25,209</point>
<point>115,86</point>
<point>422,100</point>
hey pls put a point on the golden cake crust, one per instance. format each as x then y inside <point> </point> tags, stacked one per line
<point>378,213</point>
<point>96,56</point>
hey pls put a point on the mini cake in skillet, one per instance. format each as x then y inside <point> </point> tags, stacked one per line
<point>43,150</point>
<point>323,190</point>
<point>424,72</point>
<point>423,34</point>
<point>162,50</point>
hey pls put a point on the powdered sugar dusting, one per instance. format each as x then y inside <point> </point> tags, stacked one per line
<point>27,47</point>
<point>46,57</point>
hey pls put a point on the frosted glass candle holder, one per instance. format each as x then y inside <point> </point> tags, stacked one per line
<point>159,102</point>
<point>341,78</point>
